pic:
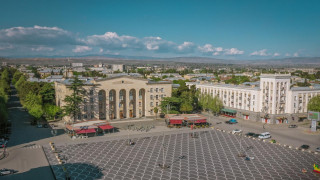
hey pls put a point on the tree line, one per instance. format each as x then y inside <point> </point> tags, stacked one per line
<point>37,97</point>
<point>4,95</point>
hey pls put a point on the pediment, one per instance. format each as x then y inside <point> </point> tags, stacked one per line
<point>123,82</point>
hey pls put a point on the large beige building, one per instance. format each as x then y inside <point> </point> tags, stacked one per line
<point>116,98</point>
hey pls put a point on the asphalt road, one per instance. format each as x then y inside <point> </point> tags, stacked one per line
<point>25,155</point>
<point>281,133</point>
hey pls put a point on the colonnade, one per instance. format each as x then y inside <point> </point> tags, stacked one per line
<point>120,104</point>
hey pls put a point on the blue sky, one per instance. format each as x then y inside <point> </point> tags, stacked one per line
<point>220,29</point>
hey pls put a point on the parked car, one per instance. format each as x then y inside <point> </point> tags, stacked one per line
<point>236,131</point>
<point>232,121</point>
<point>318,149</point>
<point>39,126</point>
<point>264,135</point>
<point>5,171</point>
<point>304,146</point>
<point>250,134</point>
<point>256,135</point>
<point>293,126</point>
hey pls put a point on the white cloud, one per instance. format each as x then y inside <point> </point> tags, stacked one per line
<point>111,40</point>
<point>262,52</point>
<point>206,48</point>
<point>44,40</point>
<point>276,54</point>
<point>296,54</point>
<point>186,47</point>
<point>42,48</point>
<point>233,51</point>
<point>216,53</point>
<point>38,35</point>
<point>81,49</point>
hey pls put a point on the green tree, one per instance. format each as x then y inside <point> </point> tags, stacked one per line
<point>50,111</point>
<point>16,77</point>
<point>186,107</point>
<point>215,105</point>
<point>47,93</point>
<point>73,102</point>
<point>36,111</point>
<point>314,104</point>
<point>32,100</point>
<point>156,110</point>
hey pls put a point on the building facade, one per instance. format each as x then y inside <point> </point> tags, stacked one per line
<point>273,101</point>
<point>117,97</point>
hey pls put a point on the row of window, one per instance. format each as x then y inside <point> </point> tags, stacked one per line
<point>156,90</point>
<point>156,96</point>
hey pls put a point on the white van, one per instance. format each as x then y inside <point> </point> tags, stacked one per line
<point>265,135</point>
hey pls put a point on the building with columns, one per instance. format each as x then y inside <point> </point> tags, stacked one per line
<point>273,101</point>
<point>117,97</point>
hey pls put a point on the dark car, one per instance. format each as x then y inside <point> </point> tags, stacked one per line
<point>250,134</point>
<point>293,126</point>
<point>304,146</point>
<point>256,135</point>
<point>5,171</point>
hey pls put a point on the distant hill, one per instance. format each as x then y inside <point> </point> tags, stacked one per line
<point>92,59</point>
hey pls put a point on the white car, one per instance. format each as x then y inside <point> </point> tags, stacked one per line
<point>264,135</point>
<point>236,131</point>
<point>318,149</point>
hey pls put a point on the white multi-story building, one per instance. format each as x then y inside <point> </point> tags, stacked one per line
<point>118,67</point>
<point>274,101</point>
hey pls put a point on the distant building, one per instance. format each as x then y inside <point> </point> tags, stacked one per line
<point>77,64</point>
<point>118,67</point>
<point>4,63</point>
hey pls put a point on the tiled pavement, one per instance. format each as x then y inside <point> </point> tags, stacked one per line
<point>213,155</point>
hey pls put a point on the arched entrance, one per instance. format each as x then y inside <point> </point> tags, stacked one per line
<point>112,104</point>
<point>142,100</point>
<point>132,103</point>
<point>122,104</point>
<point>102,104</point>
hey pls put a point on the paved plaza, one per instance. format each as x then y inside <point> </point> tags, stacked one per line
<point>213,155</point>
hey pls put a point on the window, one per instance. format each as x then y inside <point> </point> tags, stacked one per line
<point>91,100</point>
<point>92,115</point>
<point>156,89</point>
<point>85,116</point>
<point>254,96</point>
<point>91,92</point>
<point>84,100</point>
<point>157,97</point>
<point>157,104</point>
<point>139,104</point>
<point>85,108</point>
<point>151,97</point>
<point>161,90</point>
<point>151,111</point>
<point>151,104</point>
<point>151,90</point>
<point>79,116</point>
<point>92,107</point>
